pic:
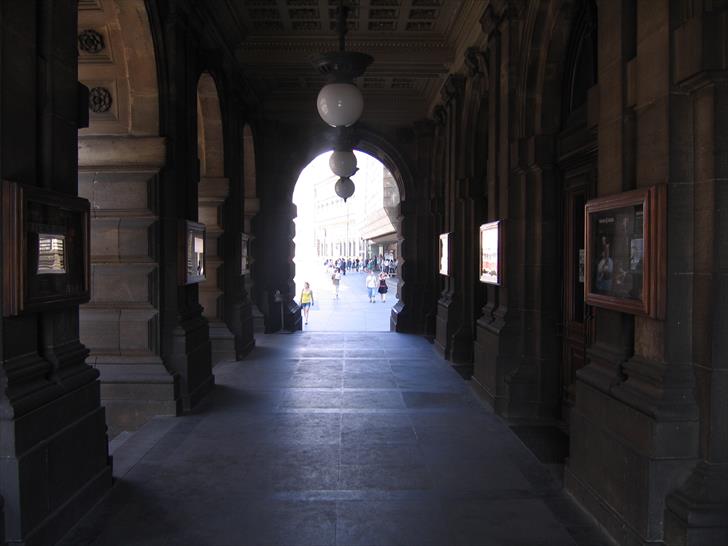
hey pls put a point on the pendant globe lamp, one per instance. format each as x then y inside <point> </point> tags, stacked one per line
<point>340,102</point>
<point>344,188</point>
<point>343,163</point>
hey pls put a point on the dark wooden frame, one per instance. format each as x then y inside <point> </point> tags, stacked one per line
<point>448,243</point>
<point>24,289</point>
<point>498,226</point>
<point>187,229</point>
<point>654,231</point>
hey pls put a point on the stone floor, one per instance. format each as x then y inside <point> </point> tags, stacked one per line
<point>324,439</point>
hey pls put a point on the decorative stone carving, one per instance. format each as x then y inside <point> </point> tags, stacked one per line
<point>453,87</point>
<point>99,100</point>
<point>475,61</point>
<point>440,115</point>
<point>91,41</point>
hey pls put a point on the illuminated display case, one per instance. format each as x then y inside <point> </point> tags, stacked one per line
<point>45,249</point>
<point>192,252</point>
<point>490,253</point>
<point>625,251</point>
<point>444,254</point>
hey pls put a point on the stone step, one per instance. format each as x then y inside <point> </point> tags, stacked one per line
<point>136,445</point>
<point>117,441</point>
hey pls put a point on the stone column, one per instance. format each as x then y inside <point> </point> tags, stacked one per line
<point>697,511</point>
<point>251,208</point>
<point>497,345</point>
<point>120,325</point>
<point>54,462</point>
<point>648,437</point>
<point>452,337</point>
<point>185,335</point>
<point>212,192</point>
<point>417,258</point>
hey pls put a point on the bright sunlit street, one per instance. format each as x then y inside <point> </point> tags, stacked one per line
<point>351,312</point>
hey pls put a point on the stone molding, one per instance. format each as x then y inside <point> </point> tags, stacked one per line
<point>124,151</point>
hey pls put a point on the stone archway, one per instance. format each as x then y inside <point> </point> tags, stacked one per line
<point>364,229</point>
<point>120,156</point>
<point>300,145</point>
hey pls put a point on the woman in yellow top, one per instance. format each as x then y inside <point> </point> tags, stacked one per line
<point>306,301</point>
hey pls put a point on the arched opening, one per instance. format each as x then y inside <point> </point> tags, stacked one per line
<point>120,155</point>
<point>212,191</point>
<point>348,251</point>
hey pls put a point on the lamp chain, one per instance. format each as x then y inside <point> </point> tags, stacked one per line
<point>341,24</point>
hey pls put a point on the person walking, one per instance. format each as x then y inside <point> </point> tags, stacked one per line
<point>336,279</point>
<point>383,286</point>
<point>371,285</point>
<point>306,301</point>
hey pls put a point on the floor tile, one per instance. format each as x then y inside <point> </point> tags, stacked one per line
<point>346,439</point>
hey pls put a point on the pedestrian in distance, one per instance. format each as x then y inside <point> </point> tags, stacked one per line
<point>306,301</point>
<point>371,285</point>
<point>336,279</point>
<point>383,288</point>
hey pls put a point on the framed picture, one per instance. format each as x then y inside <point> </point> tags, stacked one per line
<point>625,252</point>
<point>244,263</point>
<point>192,252</point>
<point>490,253</point>
<point>444,254</point>
<point>45,249</point>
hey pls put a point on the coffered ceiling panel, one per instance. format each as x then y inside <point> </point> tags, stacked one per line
<point>413,43</point>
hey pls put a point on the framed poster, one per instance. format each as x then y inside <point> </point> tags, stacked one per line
<point>444,254</point>
<point>625,252</point>
<point>490,253</point>
<point>45,249</point>
<point>192,252</point>
<point>244,264</point>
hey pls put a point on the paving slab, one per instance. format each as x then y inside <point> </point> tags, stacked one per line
<point>301,444</point>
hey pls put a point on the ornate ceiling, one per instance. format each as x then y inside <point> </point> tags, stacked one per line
<point>414,44</point>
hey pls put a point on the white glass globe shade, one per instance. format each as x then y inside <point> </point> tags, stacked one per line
<point>340,104</point>
<point>344,188</point>
<point>343,163</point>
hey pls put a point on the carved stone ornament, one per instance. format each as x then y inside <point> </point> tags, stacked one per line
<point>91,41</point>
<point>99,100</point>
<point>475,61</point>
<point>440,115</point>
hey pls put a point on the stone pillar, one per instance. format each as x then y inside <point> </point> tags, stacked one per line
<point>453,338</point>
<point>697,511</point>
<point>497,346</point>
<point>417,257</point>
<point>251,208</point>
<point>185,335</point>
<point>54,460</point>
<point>120,325</point>
<point>212,193</point>
<point>635,400</point>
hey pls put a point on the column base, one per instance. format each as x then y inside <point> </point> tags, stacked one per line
<point>222,343</point>
<point>697,513</point>
<point>134,390</point>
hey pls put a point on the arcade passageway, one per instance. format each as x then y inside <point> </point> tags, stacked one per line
<point>341,438</point>
<point>552,185</point>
